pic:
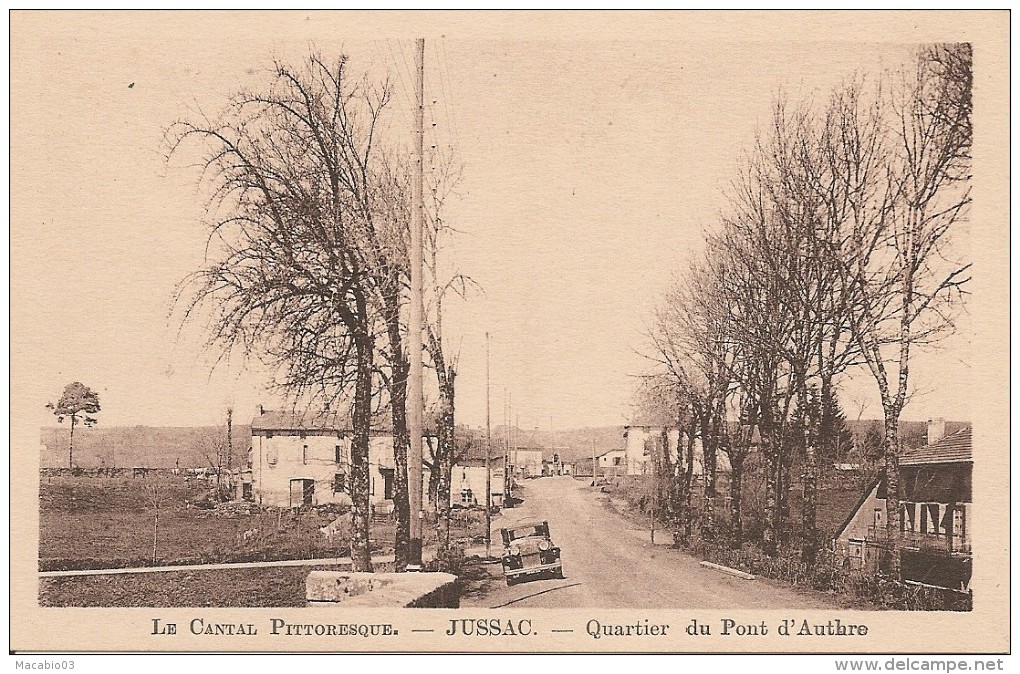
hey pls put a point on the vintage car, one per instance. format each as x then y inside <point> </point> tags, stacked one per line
<point>529,551</point>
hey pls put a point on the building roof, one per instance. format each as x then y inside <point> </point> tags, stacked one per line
<point>954,448</point>
<point>494,461</point>
<point>860,503</point>
<point>271,420</point>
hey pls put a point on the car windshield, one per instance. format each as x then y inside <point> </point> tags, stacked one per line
<point>531,530</point>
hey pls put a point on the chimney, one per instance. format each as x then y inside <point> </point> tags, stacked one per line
<point>325,407</point>
<point>260,410</point>
<point>936,430</point>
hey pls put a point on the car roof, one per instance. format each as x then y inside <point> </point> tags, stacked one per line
<point>524,525</point>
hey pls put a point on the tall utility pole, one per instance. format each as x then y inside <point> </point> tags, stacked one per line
<point>507,436</point>
<point>230,437</point>
<point>414,393</point>
<point>488,454</point>
<point>230,450</point>
<point>594,461</point>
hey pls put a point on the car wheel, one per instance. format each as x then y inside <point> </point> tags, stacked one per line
<point>558,573</point>
<point>510,581</point>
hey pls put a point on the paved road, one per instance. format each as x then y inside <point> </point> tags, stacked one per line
<point>608,563</point>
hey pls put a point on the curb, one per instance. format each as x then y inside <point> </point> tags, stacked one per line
<point>726,569</point>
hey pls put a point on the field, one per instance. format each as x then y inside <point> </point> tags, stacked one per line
<point>89,522</point>
<point>103,522</point>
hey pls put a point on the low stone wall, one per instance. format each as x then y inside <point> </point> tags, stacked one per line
<point>376,590</point>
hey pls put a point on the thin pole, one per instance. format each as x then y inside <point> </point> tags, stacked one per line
<point>488,453</point>
<point>655,480</point>
<point>509,466</point>
<point>414,384</point>
<point>594,461</point>
<point>506,455</point>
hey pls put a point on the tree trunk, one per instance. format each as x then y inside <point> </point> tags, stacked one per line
<point>769,534</point>
<point>892,489</point>
<point>662,486</point>
<point>783,460</point>
<point>736,482</point>
<point>399,369</point>
<point>70,444</point>
<point>688,479</point>
<point>708,445</point>
<point>677,487</point>
<point>809,507</point>
<point>401,442</point>
<point>433,485</point>
<point>361,556</point>
<point>446,438</point>
<point>809,542</point>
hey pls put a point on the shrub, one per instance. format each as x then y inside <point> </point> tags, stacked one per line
<point>826,575</point>
<point>449,559</point>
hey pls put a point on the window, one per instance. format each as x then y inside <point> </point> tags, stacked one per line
<point>908,515</point>
<point>387,484</point>
<point>339,483</point>
<point>339,455</point>
<point>304,454</point>
<point>271,456</point>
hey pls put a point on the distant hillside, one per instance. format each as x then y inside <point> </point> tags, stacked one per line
<point>150,446</point>
<point>162,447</point>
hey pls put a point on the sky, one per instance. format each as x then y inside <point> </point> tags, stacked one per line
<point>591,169</point>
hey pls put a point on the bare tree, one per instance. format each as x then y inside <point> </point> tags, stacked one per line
<point>689,344</point>
<point>392,272</point>
<point>909,286</point>
<point>294,240</point>
<point>440,182</point>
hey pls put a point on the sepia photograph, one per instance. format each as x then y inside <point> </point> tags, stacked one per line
<point>687,332</point>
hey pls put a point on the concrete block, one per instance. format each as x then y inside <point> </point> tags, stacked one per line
<point>377,590</point>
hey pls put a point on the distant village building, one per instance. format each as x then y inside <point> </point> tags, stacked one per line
<point>612,463</point>
<point>583,467</point>
<point>468,479</point>
<point>305,460</point>
<point>552,466</point>
<point>643,447</point>
<point>526,462</point>
<point>936,515</point>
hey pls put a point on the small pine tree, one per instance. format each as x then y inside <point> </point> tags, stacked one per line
<point>78,403</point>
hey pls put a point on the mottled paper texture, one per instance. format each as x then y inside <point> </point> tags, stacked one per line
<point>595,150</point>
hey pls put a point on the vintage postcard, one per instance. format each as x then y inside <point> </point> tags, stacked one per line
<point>666,332</point>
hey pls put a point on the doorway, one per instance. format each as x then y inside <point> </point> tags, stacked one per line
<point>302,492</point>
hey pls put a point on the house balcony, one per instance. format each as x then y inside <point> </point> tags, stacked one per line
<point>938,543</point>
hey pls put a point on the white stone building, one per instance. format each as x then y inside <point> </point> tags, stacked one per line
<point>305,460</point>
